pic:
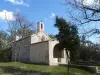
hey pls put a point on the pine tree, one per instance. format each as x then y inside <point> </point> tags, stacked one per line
<point>68,37</point>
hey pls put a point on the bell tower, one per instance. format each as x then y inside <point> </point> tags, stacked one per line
<point>40,26</point>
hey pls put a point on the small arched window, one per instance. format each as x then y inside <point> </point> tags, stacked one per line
<point>41,26</point>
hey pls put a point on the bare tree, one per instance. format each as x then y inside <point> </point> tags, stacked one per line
<point>21,27</point>
<point>89,12</point>
<point>25,27</point>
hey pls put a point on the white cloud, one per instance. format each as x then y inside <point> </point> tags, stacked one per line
<point>89,2</point>
<point>52,15</point>
<point>45,19</point>
<point>17,10</point>
<point>18,2</point>
<point>6,15</point>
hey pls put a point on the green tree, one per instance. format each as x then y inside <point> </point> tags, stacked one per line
<point>52,36</point>
<point>5,50</point>
<point>5,55</point>
<point>4,42</point>
<point>86,53</point>
<point>68,37</point>
<point>89,52</point>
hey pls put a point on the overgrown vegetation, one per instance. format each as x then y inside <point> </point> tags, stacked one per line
<point>5,48</point>
<point>5,55</point>
<point>87,54</point>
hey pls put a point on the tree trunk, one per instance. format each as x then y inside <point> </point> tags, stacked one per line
<point>68,58</point>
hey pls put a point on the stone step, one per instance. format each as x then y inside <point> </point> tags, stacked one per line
<point>98,71</point>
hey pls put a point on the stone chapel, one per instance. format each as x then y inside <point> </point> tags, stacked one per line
<point>38,48</point>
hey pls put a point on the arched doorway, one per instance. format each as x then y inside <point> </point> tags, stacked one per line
<point>57,52</point>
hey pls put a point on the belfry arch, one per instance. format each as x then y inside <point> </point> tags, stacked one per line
<point>40,27</point>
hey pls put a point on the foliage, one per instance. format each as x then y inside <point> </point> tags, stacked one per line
<point>87,53</point>
<point>1,45</point>
<point>5,50</point>
<point>68,37</point>
<point>52,36</point>
<point>4,40</point>
<point>5,55</point>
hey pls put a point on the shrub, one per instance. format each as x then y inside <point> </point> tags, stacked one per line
<point>5,55</point>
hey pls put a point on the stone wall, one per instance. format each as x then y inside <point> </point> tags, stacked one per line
<point>20,50</point>
<point>39,52</point>
<point>39,37</point>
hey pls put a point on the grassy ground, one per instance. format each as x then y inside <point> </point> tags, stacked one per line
<point>99,67</point>
<point>12,67</point>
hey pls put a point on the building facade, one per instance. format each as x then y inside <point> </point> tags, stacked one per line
<point>38,48</point>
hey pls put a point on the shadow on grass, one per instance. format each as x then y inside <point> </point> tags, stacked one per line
<point>17,71</point>
<point>90,69</point>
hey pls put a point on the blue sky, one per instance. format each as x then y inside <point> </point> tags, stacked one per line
<point>35,11</point>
